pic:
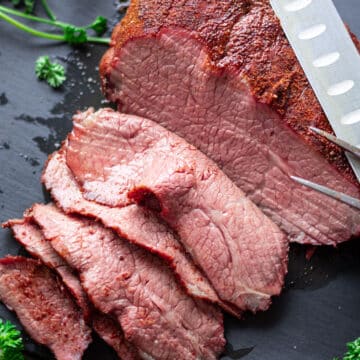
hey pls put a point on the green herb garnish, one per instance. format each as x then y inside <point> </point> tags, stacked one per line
<point>353,350</point>
<point>74,35</point>
<point>99,25</point>
<point>48,11</point>
<point>11,344</point>
<point>53,73</point>
<point>29,4</point>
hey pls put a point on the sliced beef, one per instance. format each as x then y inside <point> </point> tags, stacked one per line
<point>241,251</point>
<point>134,286</point>
<point>30,236</point>
<point>46,310</point>
<point>223,76</point>
<point>132,223</point>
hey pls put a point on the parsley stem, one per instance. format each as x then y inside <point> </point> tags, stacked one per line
<point>48,11</point>
<point>99,40</point>
<point>32,17</point>
<point>30,30</point>
<point>42,34</point>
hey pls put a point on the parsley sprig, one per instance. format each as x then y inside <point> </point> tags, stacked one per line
<point>52,72</point>
<point>72,34</point>
<point>47,9</point>
<point>11,344</point>
<point>353,350</point>
<point>29,4</point>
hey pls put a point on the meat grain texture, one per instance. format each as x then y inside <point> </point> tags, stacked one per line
<point>46,310</point>
<point>136,288</point>
<point>223,76</point>
<point>27,233</point>
<point>242,252</point>
<point>132,223</point>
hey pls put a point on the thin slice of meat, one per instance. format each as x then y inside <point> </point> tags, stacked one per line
<point>132,223</point>
<point>245,103</point>
<point>134,286</point>
<point>44,307</point>
<point>241,251</point>
<point>27,233</point>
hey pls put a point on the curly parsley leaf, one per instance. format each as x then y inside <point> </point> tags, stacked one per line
<point>11,344</point>
<point>53,73</point>
<point>29,5</point>
<point>353,350</point>
<point>99,25</point>
<point>75,35</point>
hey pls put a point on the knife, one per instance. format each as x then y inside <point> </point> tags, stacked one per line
<point>346,199</point>
<point>355,151</point>
<point>323,189</point>
<point>330,61</point>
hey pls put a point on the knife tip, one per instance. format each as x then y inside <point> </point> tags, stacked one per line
<point>314,129</point>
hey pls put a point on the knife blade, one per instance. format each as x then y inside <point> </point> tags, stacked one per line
<point>339,142</point>
<point>353,202</point>
<point>330,61</point>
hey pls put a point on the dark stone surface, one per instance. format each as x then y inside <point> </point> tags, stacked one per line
<point>319,310</point>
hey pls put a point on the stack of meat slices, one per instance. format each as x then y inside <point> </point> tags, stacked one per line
<point>147,242</point>
<point>149,238</point>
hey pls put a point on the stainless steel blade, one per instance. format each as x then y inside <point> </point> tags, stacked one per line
<point>339,142</point>
<point>327,191</point>
<point>330,60</point>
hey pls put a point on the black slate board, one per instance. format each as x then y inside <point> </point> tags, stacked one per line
<point>319,310</point>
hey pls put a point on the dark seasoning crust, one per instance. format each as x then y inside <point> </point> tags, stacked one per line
<point>244,36</point>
